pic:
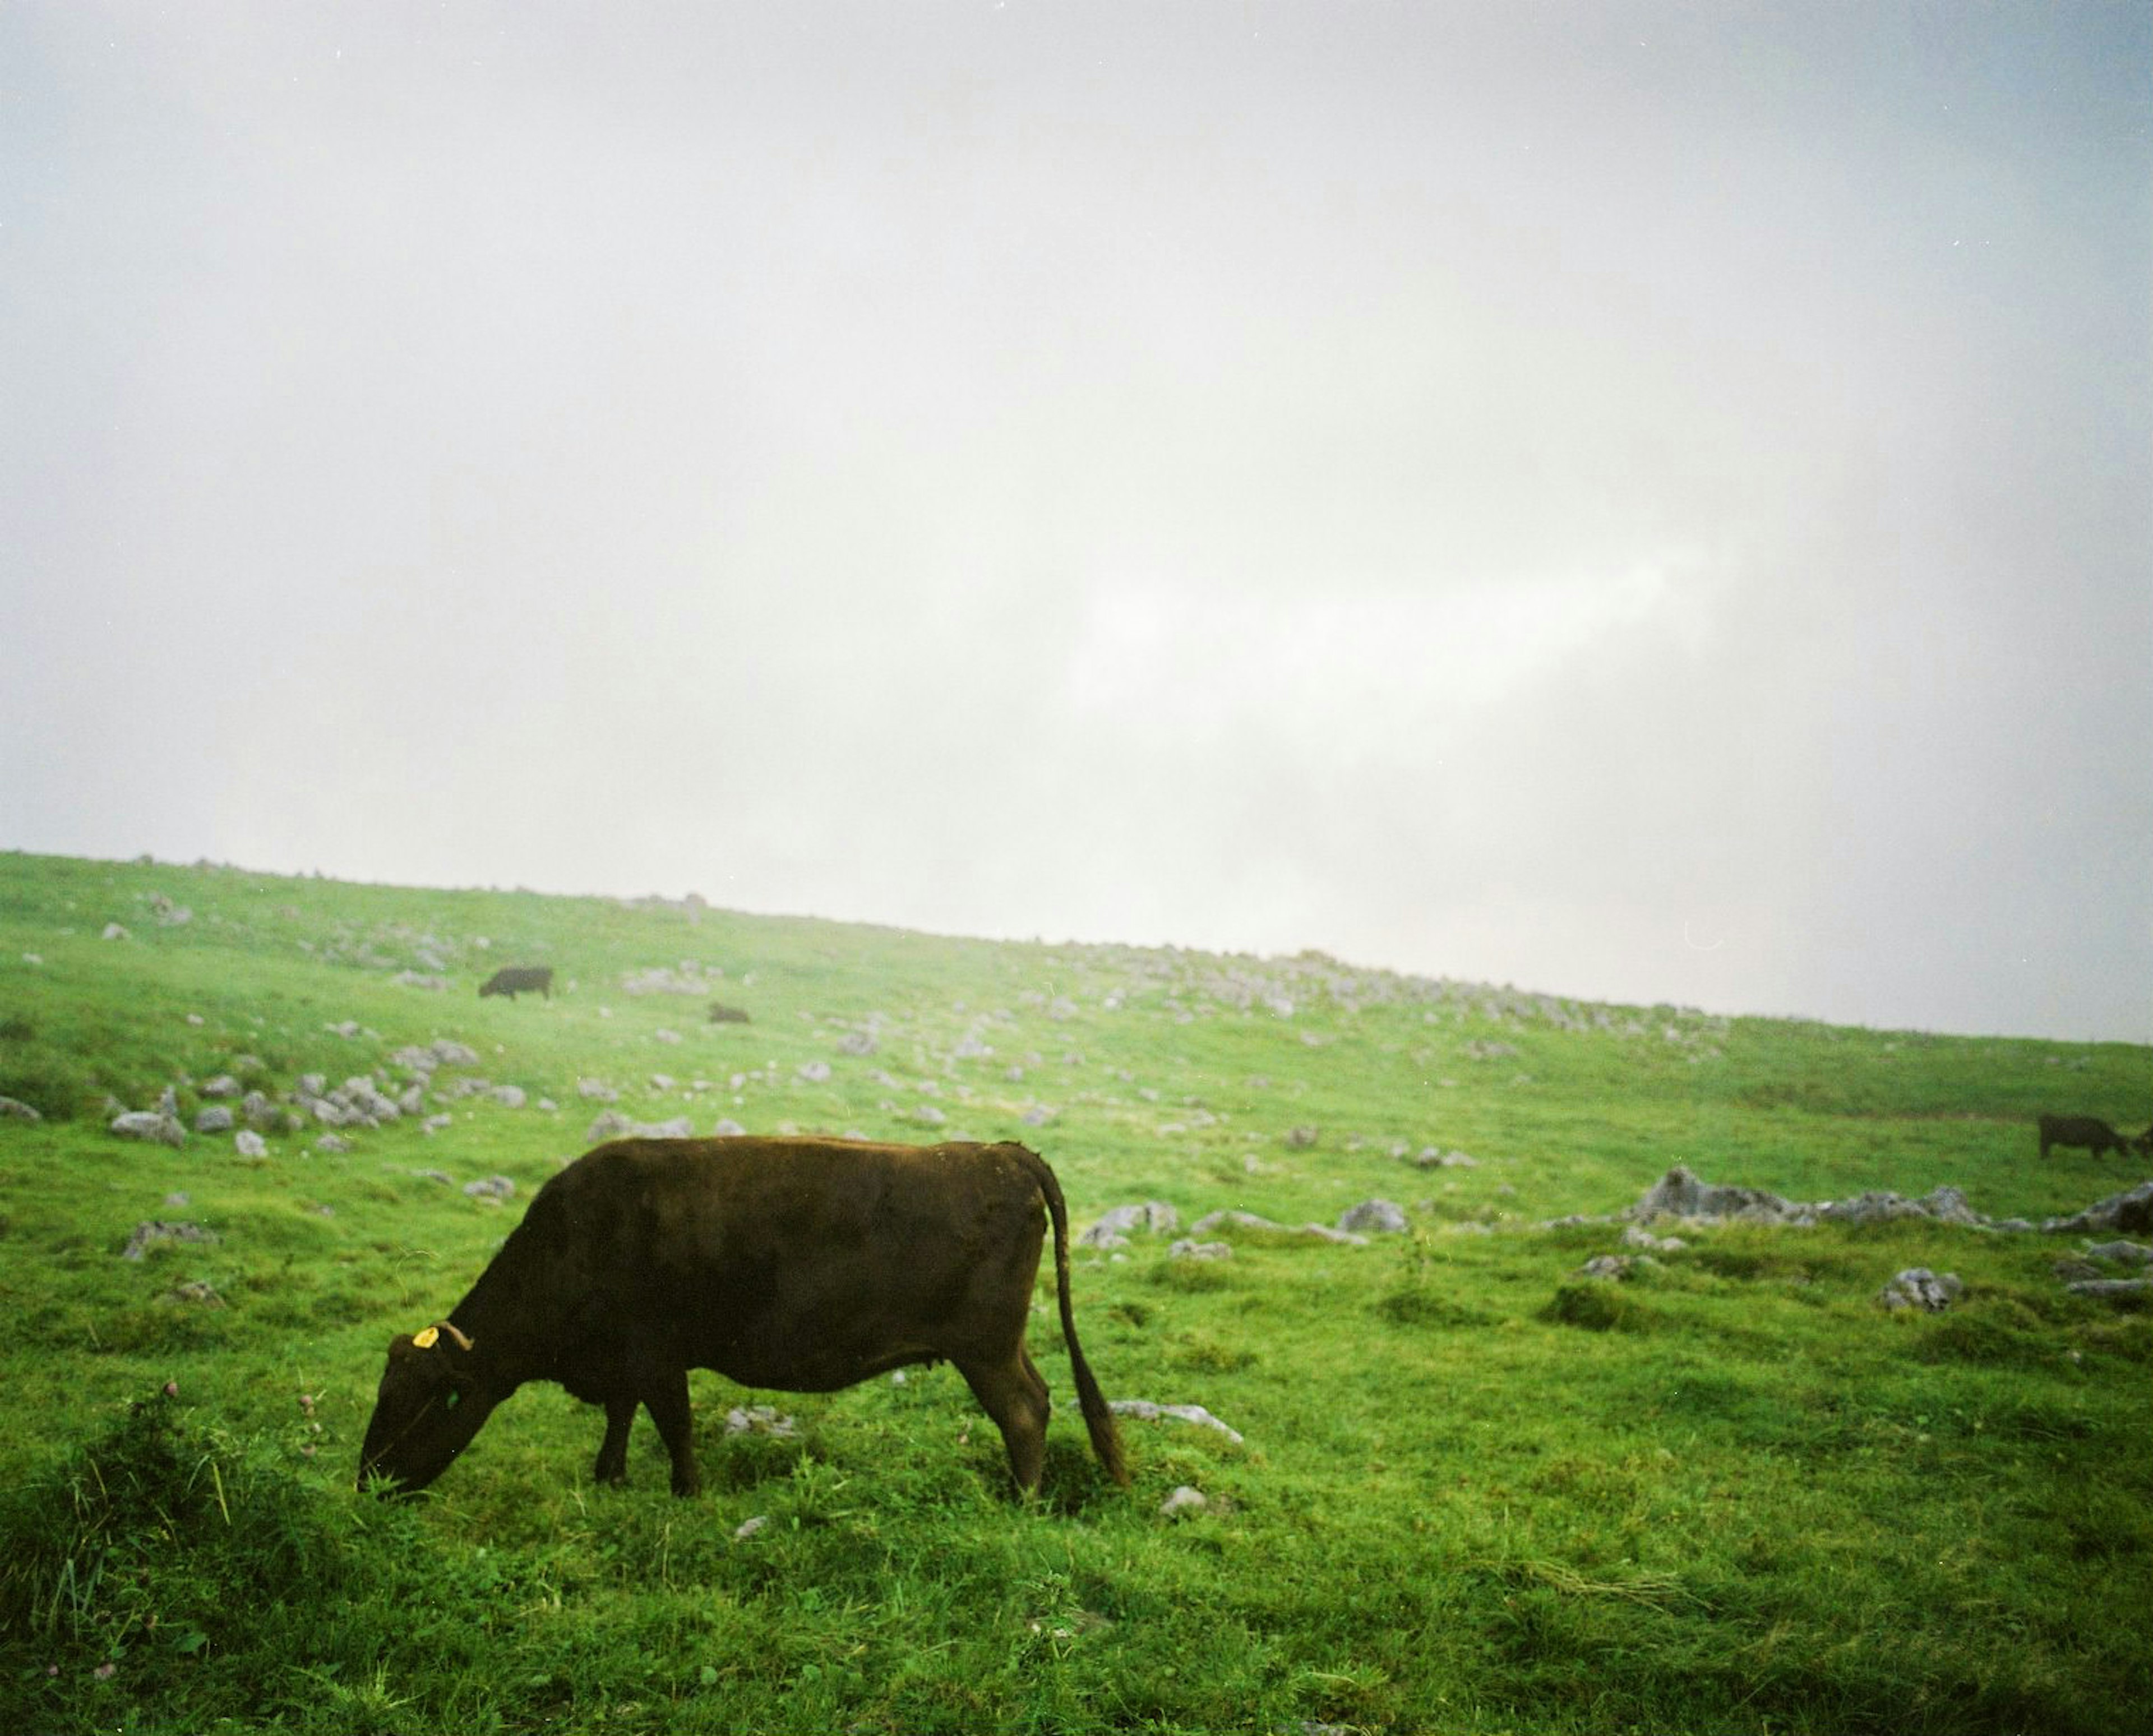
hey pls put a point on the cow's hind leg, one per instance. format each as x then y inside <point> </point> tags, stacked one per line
<point>612,1451</point>
<point>1015,1396</point>
<point>666,1399</point>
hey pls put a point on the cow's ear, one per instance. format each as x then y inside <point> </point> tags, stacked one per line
<point>427,1339</point>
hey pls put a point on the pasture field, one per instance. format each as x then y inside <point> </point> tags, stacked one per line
<point>1474,1490</point>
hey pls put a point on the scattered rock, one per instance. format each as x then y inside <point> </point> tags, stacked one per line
<point>150,1124</point>
<point>435,1175</point>
<point>1153,1217</point>
<point>1300,1138</point>
<point>929,1115</point>
<point>2122,1253</point>
<point>596,1090</point>
<point>1251,1221</point>
<point>856,1042</point>
<point>113,931</point>
<point>1637,1236</point>
<point>197,1292</point>
<point>509,1096</point>
<point>728,1128</point>
<point>1918,1287</point>
<point>434,1123</point>
<point>332,1145</point>
<point>490,1187</point>
<point>1146,1411</point>
<point>1182,1501</point>
<point>249,1143</point>
<point>213,1118</point>
<point>146,1236</point>
<point>1379,1217</point>
<point>748,1527</point>
<point>1037,1116</point>
<point>1189,1248</point>
<point>759,1419</point>
<point>1429,1158</point>
<point>14,1109</point>
<point>223,1086</point>
<point>814,1071</point>
<point>2130,1212</point>
<point>662,1036</point>
<point>1614,1266</point>
<point>2113,1289</point>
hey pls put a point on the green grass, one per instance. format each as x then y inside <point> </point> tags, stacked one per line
<point>1476,1491</point>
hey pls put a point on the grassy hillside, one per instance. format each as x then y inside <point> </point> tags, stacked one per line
<point>1475,1490</point>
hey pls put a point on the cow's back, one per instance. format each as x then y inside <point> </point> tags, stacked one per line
<point>798,1264</point>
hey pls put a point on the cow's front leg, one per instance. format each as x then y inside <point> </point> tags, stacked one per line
<point>666,1399</point>
<point>612,1451</point>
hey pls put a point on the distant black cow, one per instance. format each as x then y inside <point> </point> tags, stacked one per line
<point>2096,1135</point>
<point>519,979</point>
<point>720,1013</point>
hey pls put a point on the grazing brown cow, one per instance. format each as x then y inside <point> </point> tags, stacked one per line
<point>801,1264</point>
<point>2096,1135</point>
<point>519,979</point>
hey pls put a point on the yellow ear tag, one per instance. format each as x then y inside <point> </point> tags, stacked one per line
<point>424,1341</point>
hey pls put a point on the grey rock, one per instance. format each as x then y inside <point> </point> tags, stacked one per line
<point>1182,1501</point>
<point>728,1128</point>
<point>213,1118</point>
<point>596,1090</point>
<point>2122,1253</point>
<point>1377,1217</point>
<point>1679,1193</point>
<point>1144,1410</point>
<point>1429,1158</point>
<point>1152,1217</point>
<point>147,1235</point>
<point>249,1143</point>
<point>2130,1211</point>
<point>332,1145</point>
<point>1301,1138</point>
<point>1189,1248</point>
<point>435,1123</point>
<point>814,1071</point>
<point>2112,1288</point>
<point>856,1042</point>
<point>509,1096</point>
<point>1918,1287</point>
<point>151,1125</point>
<point>490,1187</point>
<point>14,1109</point>
<point>223,1086</point>
<point>759,1419</point>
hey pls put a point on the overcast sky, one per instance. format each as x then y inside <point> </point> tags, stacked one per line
<point>1644,502</point>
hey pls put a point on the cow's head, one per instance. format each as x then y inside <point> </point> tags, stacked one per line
<point>491,986</point>
<point>431,1402</point>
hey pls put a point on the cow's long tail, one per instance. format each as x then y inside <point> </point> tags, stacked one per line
<point>1098,1420</point>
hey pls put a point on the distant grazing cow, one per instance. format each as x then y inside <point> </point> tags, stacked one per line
<point>2096,1135</point>
<point>519,979</point>
<point>720,1013</point>
<point>801,1264</point>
